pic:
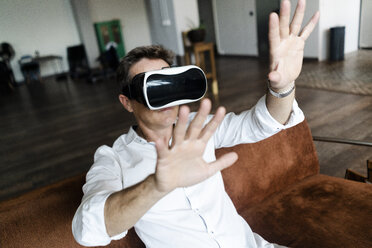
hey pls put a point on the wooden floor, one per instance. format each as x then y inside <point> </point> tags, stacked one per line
<point>50,131</point>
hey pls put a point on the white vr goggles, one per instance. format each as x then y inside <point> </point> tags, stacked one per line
<point>167,87</point>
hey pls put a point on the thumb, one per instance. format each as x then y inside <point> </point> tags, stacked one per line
<point>222,162</point>
<point>161,148</point>
<point>274,78</point>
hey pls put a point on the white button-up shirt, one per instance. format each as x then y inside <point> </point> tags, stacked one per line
<point>199,216</point>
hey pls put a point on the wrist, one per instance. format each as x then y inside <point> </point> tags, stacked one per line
<point>282,92</point>
<point>161,190</point>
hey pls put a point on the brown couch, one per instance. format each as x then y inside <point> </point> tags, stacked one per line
<point>275,185</point>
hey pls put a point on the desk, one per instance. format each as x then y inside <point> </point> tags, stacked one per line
<point>57,62</point>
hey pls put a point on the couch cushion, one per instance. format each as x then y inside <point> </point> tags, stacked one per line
<point>270,165</point>
<point>320,211</point>
<point>42,218</point>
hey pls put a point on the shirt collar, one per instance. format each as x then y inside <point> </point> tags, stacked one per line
<point>132,136</point>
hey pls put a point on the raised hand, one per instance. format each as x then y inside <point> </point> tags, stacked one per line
<point>287,43</point>
<point>182,164</point>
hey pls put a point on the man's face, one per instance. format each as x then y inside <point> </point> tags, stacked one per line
<point>151,118</point>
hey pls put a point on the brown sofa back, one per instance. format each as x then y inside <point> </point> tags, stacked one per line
<point>42,218</point>
<point>270,165</point>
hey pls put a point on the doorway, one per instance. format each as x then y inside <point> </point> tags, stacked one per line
<point>236,28</point>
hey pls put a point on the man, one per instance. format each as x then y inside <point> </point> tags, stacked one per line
<point>162,177</point>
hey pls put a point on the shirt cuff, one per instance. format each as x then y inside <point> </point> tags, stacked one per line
<point>89,226</point>
<point>268,122</point>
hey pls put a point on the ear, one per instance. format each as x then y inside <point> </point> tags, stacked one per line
<point>127,104</point>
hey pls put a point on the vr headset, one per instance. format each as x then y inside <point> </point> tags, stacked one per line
<point>167,87</point>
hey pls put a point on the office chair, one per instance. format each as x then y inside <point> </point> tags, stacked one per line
<point>78,61</point>
<point>30,69</point>
<point>7,81</point>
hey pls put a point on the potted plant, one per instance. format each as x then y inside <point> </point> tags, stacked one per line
<point>197,34</point>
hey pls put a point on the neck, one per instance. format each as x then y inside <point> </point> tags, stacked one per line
<point>152,134</point>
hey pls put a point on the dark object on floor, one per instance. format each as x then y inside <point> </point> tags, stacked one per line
<point>61,76</point>
<point>337,44</point>
<point>30,69</point>
<point>7,81</point>
<point>275,185</point>
<point>6,51</point>
<point>6,78</point>
<point>78,61</point>
<point>109,61</point>
<point>79,65</point>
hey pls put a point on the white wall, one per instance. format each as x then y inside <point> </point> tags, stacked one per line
<point>338,13</point>
<point>186,14</point>
<point>84,24</point>
<point>312,43</point>
<point>332,13</point>
<point>132,15</point>
<point>366,24</point>
<point>44,25</point>
<point>187,17</point>
<point>163,24</point>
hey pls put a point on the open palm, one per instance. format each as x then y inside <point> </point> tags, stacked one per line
<point>182,164</point>
<point>287,43</point>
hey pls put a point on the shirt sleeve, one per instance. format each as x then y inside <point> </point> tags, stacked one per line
<point>253,125</point>
<point>103,179</point>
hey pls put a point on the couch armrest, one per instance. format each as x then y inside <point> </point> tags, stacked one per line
<point>320,211</point>
<point>270,165</point>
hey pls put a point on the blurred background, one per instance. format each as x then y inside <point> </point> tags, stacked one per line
<point>59,95</point>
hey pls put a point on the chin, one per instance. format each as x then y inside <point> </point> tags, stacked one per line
<point>170,110</point>
<point>170,113</point>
